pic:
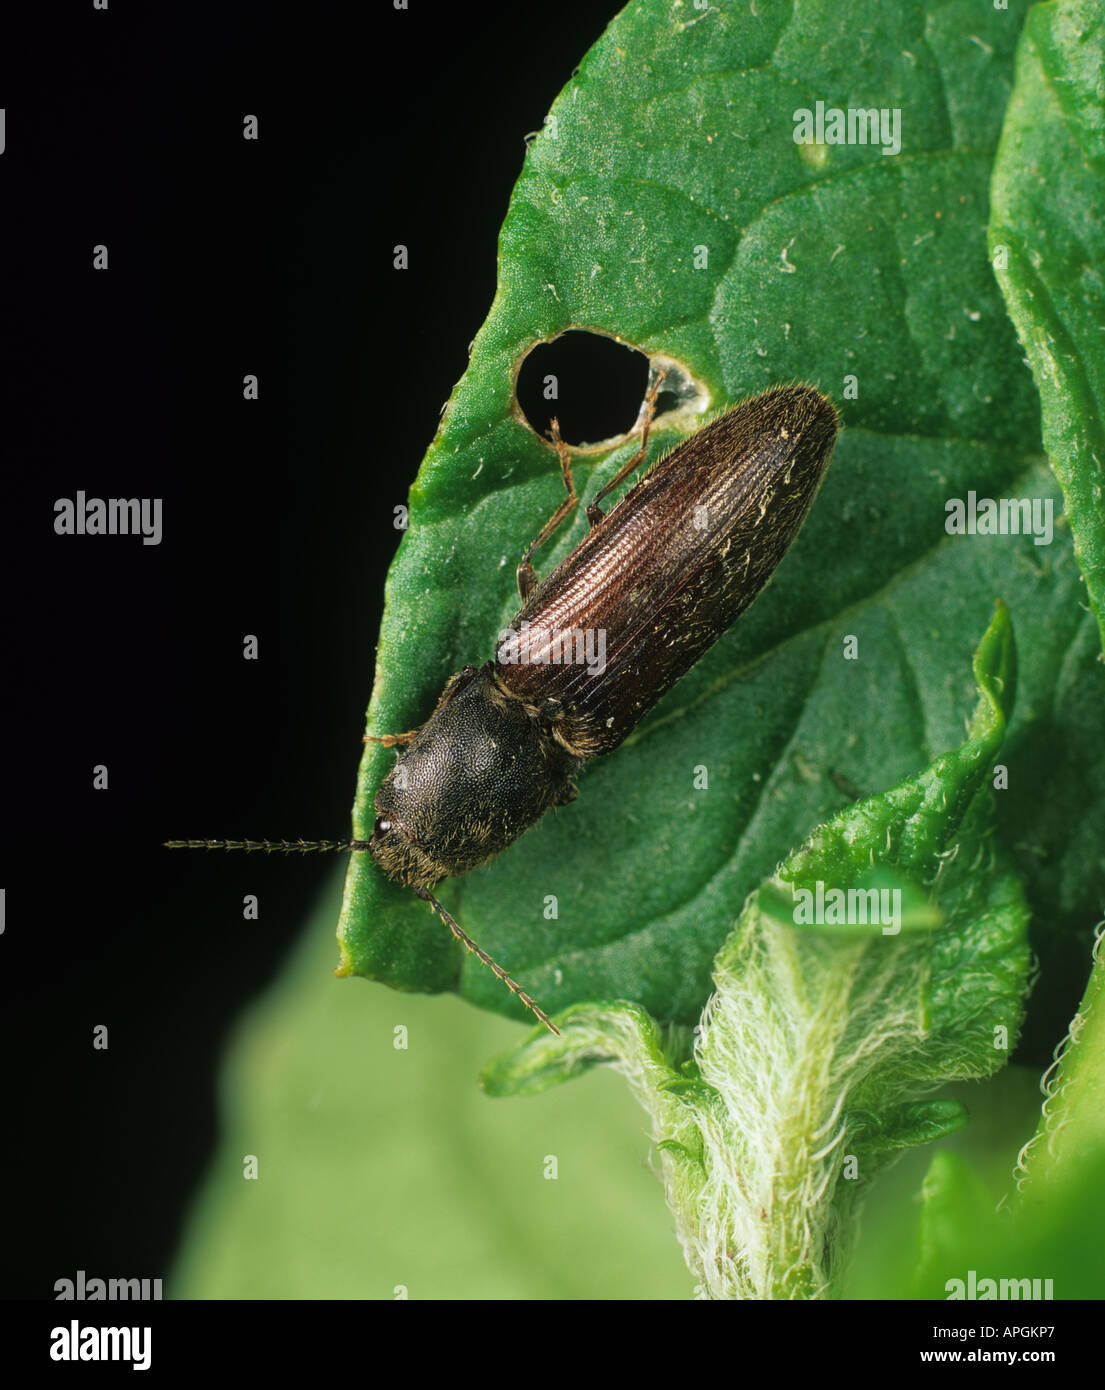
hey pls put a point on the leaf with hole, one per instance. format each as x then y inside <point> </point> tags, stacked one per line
<point>669,207</point>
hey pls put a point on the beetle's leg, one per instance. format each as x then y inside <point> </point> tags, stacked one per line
<point>527,577</point>
<point>594,511</point>
<point>453,686</point>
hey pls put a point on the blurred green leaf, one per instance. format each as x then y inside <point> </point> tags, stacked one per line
<point>890,1250</point>
<point>380,1166</point>
<point>964,1241</point>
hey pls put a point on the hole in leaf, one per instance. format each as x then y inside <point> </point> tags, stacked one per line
<point>593,384</point>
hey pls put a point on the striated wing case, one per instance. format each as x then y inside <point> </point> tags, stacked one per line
<point>668,569</point>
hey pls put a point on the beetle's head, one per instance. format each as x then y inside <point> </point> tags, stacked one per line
<point>481,771</point>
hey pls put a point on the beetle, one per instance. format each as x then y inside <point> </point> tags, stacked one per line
<point>642,597</point>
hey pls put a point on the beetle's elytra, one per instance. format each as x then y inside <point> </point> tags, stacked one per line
<point>649,589</point>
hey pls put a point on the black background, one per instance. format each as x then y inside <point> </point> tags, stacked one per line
<point>226,257</point>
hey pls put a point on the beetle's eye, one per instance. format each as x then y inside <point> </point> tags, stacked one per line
<point>381,827</point>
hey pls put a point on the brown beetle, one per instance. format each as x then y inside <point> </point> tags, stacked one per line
<point>644,595</point>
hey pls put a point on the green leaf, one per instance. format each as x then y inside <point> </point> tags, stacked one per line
<point>820,1041</point>
<point>890,1250</point>
<point>919,1122</point>
<point>964,1241</point>
<point>1071,1132</point>
<point>1047,237</point>
<point>677,134</point>
<point>952,1196</point>
<point>1053,1225</point>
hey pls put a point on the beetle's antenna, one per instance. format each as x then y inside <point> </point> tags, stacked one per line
<point>324,846</point>
<point>270,846</point>
<point>467,942</point>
